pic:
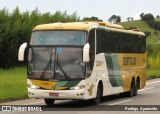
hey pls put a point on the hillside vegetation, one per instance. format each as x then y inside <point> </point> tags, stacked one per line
<point>153,41</point>
<point>154,38</point>
<point>16,28</point>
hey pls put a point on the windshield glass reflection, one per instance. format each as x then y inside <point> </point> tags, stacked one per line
<point>56,63</point>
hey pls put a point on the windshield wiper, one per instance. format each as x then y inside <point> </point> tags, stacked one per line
<point>60,67</point>
<point>47,65</point>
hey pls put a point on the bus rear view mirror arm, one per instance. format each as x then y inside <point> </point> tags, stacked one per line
<point>21,52</point>
<point>86,53</point>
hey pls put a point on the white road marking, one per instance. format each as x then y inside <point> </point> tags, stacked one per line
<point>149,83</point>
<point>121,102</point>
<point>153,82</point>
<point>146,89</point>
<point>35,103</point>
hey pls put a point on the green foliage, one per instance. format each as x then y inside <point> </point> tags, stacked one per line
<point>16,27</point>
<point>148,17</point>
<point>91,19</point>
<point>153,62</point>
<point>154,24</point>
<point>114,19</point>
<point>153,74</point>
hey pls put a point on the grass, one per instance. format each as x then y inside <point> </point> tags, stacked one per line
<point>153,74</point>
<point>138,24</point>
<point>13,84</point>
<point>154,62</point>
<point>157,19</point>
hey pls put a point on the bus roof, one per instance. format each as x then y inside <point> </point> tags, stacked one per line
<point>66,26</point>
<point>85,26</point>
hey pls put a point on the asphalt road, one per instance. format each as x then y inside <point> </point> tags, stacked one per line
<point>149,96</point>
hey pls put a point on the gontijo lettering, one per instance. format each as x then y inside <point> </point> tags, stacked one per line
<point>129,60</point>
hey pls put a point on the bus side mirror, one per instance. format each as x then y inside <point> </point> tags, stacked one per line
<point>86,53</point>
<point>21,52</point>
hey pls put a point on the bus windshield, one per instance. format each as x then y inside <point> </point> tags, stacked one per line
<point>58,38</point>
<point>55,63</point>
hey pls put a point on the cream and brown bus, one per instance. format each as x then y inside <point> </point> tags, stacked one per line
<point>84,60</point>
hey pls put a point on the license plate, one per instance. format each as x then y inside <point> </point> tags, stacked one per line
<point>53,94</point>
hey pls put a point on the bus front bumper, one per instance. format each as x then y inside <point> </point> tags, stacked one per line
<point>56,94</point>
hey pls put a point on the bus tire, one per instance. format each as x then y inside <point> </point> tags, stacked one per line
<point>132,90</point>
<point>135,91</point>
<point>136,88</point>
<point>49,101</point>
<point>97,99</point>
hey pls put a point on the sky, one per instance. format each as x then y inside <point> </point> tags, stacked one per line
<point>103,9</point>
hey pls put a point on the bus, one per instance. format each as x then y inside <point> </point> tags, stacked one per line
<point>84,61</point>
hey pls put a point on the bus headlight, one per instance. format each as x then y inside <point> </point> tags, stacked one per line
<point>77,87</point>
<point>33,86</point>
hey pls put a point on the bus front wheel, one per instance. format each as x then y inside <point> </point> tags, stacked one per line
<point>97,99</point>
<point>49,101</point>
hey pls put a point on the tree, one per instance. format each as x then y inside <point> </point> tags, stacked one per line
<point>91,19</point>
<point>158,16</point>
<point>141,15</point>
<point>16,28</point>
<point>130,19</point>
<point>148,17</point>
<point>154,24</point>
<point>118,19</point>
<point>114,19</point>
<point>16,14</point>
